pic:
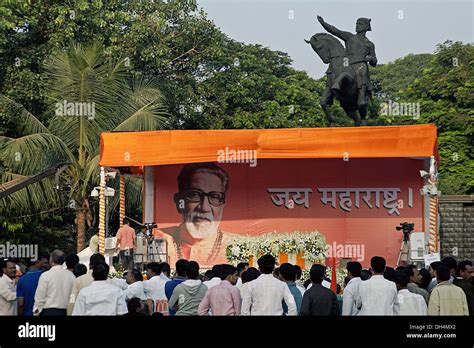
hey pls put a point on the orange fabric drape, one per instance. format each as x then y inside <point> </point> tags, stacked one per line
<point>136,149</point>
<point>283,258</point>
<point>300,261</point>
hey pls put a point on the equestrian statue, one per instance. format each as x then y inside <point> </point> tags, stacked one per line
<point>348,73</point>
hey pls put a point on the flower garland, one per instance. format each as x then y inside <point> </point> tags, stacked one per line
<point>340,275</point>
<point>119,271</point>
<point>312,244</point>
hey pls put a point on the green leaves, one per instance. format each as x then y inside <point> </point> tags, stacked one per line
<point>26,122</point>
<point>390,79</point>
<point>142,109</point>
<point>457,165</point>
<point>442,84</point>
<point>31,153</point>
<point>130,58</point>
<point>80,78</point>
<point>39,196</point>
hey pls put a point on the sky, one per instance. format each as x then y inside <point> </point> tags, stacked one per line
<point>398,27</point>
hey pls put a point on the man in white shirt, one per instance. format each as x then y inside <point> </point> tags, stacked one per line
<point>94,243</point>
<point>54,288</point>
<point>351,291</point>
<point>101,297</point>
<point>135,285</point>
<point>432,269</point>
<point>83,281</point>
<point>8,304</point>
<point>267,293</point>
<point>216,277</point>
<point>325,283</point>
<point>241,268</point>
<point>154,287</point>
<point>408,303</point>
<point>248,276</point>
<point>414,282</point>
<point>448,262</point>
<point>377,294</point>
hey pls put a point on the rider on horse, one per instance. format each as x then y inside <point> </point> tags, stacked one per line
<point>360,51</point>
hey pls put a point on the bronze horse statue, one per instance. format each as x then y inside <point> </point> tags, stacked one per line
<point>341,83</point>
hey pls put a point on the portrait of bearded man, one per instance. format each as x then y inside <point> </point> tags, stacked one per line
<point>200,200</point>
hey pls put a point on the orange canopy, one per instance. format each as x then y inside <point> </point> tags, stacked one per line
<point>136,149</point>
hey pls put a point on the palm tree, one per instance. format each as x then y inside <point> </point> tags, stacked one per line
<point>119,100</point>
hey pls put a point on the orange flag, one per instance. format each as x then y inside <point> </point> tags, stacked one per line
<point>333,276</point>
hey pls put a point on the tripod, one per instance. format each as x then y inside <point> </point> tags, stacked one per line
<point>404,255</point>
<point>155,249</point>
<point>158,250</point>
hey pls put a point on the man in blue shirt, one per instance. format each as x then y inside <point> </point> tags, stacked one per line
<point>178,279</point>
<point>27,284</point>
<point>288,275</point>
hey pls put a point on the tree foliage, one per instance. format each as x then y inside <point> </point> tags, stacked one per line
<point>115,100</point>
<point>443,84</point>
<point>206,79</point>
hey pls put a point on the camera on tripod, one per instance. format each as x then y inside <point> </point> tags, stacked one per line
<point>149,226</point>
<point>406,228</point>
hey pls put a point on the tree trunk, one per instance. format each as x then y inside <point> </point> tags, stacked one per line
<point>81,229</point>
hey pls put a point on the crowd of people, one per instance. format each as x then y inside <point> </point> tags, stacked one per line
<point>56,285</point>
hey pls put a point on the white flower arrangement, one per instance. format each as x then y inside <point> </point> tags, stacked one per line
<point>238,250</point>
<point>315,248</point>
<point>312,244</point>
<point>118,275</point>
<point>119,271</point>
<point>289,243</point>
<point>340,275</point>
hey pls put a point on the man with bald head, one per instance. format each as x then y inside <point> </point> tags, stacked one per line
<point>54,288</point>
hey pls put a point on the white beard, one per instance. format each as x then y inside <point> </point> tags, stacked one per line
<point>203,229</point>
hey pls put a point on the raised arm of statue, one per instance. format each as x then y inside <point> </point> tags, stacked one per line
<point>343,35</point>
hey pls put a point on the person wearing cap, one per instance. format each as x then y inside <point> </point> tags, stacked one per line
<point>360,51</point>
